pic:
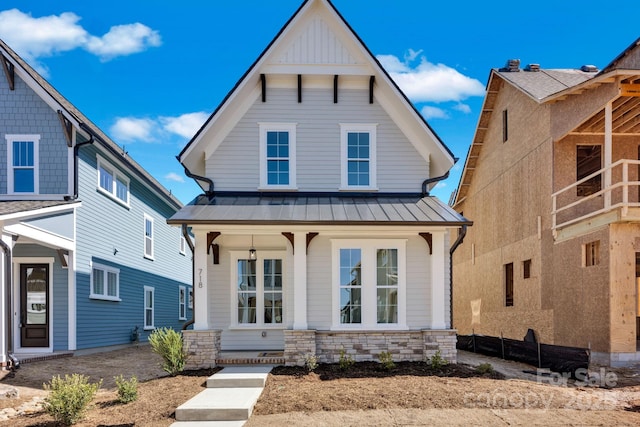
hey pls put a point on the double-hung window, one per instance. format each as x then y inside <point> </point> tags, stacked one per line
<point>259,288</point>
<point>149,306</point>
<point>112,182</point>
<point>277,155</point>
<point>22,164</point>
<point>369,283</point>
<point>105,283</point>
<point>358,148</point>
<point>182,303</point>
<point>148,236</point>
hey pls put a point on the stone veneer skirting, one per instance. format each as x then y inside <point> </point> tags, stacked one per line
<point>367,345</point>
<point>202,347</point>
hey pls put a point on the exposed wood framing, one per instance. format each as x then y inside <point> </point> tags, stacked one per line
<point>299,88</point>
<point>212,247</point>
<point>66,127</point>
<point>428,237</point>
<point>310,237</point>
<point>263,80</point>
<point>289,237</point>
<point>630,89</point>
<point>372,80</point>
<point>9,72</point>
<point>335,89</point>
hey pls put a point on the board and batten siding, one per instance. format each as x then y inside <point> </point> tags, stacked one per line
<point>105,226</point>
<point>235,164</point>
<point>23,112</point>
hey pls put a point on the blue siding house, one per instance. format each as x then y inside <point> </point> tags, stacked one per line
<point>86,257</point>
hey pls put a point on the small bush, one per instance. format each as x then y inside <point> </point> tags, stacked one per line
<point>168,343</point>
<point>437,361</point>
<point>311,362</point>
<point>387,360</point>
<point>485,368</point>
<point>346,361</point>
<point>127,389</point>
<point>69,398</point>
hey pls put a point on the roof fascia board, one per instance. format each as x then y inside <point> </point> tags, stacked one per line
<point>597,80</point>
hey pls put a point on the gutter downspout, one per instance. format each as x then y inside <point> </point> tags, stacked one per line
<point>428,181</point>
<point>185,233</point>
<point>15,363</point>
<point>209,193</point>
<point>458,242</point>
<point>76,150</point>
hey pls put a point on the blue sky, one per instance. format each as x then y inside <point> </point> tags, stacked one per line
<point>149,72</point>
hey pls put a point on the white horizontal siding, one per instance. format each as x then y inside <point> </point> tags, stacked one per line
<point>235,164</point>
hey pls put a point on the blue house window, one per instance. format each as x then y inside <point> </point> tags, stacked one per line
<point>112,182</point>
<point>278,155</point>
<point>23,166</point>
<point>358,144</point>
<point>105,283</point>
<point>149,307</point>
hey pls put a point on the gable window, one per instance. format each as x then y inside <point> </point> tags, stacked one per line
<point>182,303</point>
<point>508,284</point>
<point>148,236</point>
<point>588,161</point>
<point>526,269</point>
<point>105,283</point>
<point>259,288</point>
<point>23,164</point>
<point>369,284</point>
<point>591,254</point>
<point>505,125</point>
<point>358,146</point>
<point>149,306</point>
<point>112,182</point>
<point>278,155</point>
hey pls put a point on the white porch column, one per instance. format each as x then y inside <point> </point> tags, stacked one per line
<point>438,285</point>
<point>71,300</point>
<point>299,280</point>
<point>200,285</point>
<point>608,143</point>
<point>3,298</point>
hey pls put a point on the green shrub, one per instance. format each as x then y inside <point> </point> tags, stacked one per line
<point>168,343</point>
<point>311,362</point>
<point>127,389</point>
<point>485,368</point>
<point>437,361</point>
<point>69,398</point>
<point>346,361</point>
<point>387,360</point>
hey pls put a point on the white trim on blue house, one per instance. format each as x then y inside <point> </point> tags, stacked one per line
<point>29,138</point>
<point>148,234</point>
<point>182,303</point>
<point>106,272</point>
<point>150,305</point>
<point>117,177</point>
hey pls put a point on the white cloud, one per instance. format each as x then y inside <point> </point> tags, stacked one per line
<point>35,38</point>
<point>429,112</point>
<point>185,125</point>
<point>463,108</point>
<point>428,82</point>
<point>172,176</point>
<point>133,129</point>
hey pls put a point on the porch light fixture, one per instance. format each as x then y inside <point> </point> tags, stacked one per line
<point>253,255</point>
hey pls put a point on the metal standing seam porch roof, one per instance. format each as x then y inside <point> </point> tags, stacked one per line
<point>319,210</point>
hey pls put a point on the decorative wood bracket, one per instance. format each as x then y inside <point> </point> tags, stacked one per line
<point>213,247</point>
<point>289,237</point>
<point>66,127</point>
<point>9,72</point>
<point>335,89</point>
<point>310,237</point>
<point>299,88</point>
<point>263,80</point>
<point>429,239</point>
<point>372,80</point>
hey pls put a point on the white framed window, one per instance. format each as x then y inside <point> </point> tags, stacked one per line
<point>183,245</point>
<point>148,236</point>
<point>369,283</point>
<point>259,289</point>
<point>23,166</point>
<point>112,182</point>
<point>277,155</point>
<point>105,283</point>
<point>149,307</point>
<point>190,297</point>
<point>182,303</point>
<point>358,156</point>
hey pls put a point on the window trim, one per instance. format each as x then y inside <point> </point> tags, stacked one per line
<point>183,245</point>
<point>116,175</point>
<point>262,255</point>
<point>591,254</point>
<point>149,289</point>
<point>182,305</point>
<point>368,249</point>
<point>190,298</point>
<point>11,138</point>
<point>149,218</point>
<point>345,129</point>
<point>105,269</point>
<point>277,127</point>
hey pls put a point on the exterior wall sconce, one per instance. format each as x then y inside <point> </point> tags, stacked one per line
<point>253,255</point>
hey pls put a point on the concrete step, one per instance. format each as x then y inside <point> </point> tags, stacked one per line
<point>220,404</point>
<point>208,424</point>
<point>239,376</point>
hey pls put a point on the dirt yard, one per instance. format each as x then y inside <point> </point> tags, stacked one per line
<point>411,394</point>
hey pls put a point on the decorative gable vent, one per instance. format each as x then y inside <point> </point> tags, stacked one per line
<point>512,65</point>
<point>532,67</point>
<point>589,68</point>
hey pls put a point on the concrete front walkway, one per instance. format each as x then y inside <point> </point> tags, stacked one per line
<point>228,399</point>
